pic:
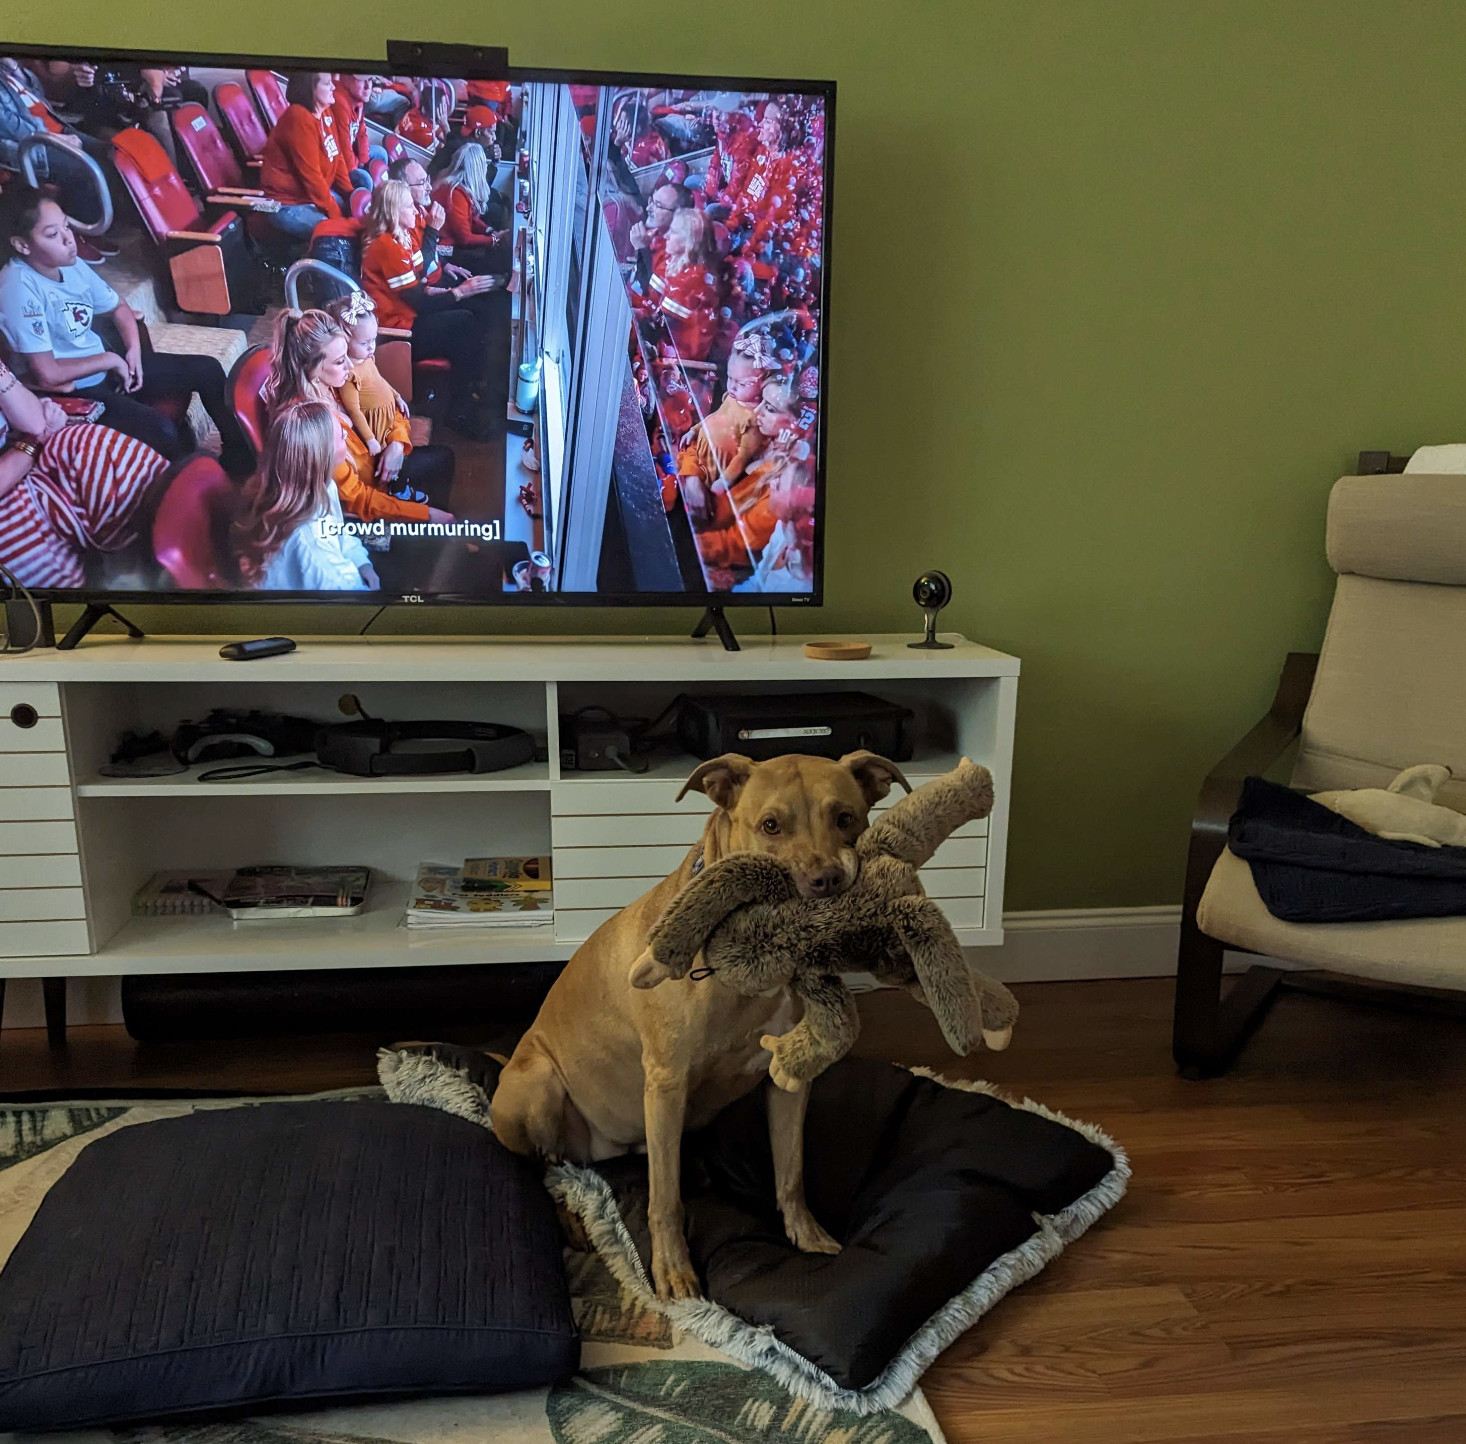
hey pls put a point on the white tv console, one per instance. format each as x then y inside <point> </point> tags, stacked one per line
<point>75,846</point>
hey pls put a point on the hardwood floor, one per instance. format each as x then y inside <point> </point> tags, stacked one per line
<point>1289,1266</point>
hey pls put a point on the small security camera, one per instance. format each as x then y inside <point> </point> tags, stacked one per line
<point>933,590</point>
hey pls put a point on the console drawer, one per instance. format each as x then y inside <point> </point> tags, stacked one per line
<point>43,939</point>
<point>651,829</point>
<point>35,804</point>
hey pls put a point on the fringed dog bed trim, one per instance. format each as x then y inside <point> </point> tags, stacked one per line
<point>422,1078</point>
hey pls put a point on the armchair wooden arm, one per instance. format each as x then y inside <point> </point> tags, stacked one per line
<point>1264,743</point>
<point>1208,1031</point>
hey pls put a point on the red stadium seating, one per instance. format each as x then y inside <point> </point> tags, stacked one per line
<point>247,133</point>
<point>202,251</point>
<point>392,144</point>
<point>376,168</point>
<point>269,95</point>
<point>361,198</point>
<point>214,164</point>
<point>246,381</point>
<point>191,527</point>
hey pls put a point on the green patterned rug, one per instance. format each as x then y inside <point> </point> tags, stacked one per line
<point>641,1381</point>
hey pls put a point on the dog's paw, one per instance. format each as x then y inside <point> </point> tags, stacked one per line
<point>778,1072</point>
<point>998,1038</point>
<point>647,972</point>
<point>673,1274</point>
<point>806,1234</point>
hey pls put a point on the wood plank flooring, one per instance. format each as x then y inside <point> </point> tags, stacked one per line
<point>1289,1266</point>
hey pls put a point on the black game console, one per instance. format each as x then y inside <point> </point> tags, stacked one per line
<point>825,724</point>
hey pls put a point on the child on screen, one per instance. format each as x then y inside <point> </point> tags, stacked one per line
<point>379,415</point>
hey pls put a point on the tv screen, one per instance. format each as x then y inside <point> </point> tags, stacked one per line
<point>341,335</point>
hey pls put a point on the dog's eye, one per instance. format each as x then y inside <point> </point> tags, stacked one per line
<point>769,827</point>
<point>845,820</point>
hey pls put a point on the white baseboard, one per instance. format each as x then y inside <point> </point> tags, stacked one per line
<point>1070,944</point>
<point>1062,945</point>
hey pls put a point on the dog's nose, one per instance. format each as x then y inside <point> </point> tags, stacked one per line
<point>826,882</point>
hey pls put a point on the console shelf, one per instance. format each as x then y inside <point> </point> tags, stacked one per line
<point>75,846</point>
<point>531,777</point>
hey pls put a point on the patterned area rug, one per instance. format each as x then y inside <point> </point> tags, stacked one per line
<point>642,1380</point>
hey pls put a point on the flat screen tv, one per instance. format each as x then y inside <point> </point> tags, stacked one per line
<point>302,330</point>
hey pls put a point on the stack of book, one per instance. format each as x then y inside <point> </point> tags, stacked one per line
<point>484,892</point>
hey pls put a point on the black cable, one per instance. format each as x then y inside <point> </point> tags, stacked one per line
<point>371,620</point>
<point>19,587</point>
<point>773,624</point>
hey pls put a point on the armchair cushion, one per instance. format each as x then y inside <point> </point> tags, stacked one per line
<point>1424,952</point>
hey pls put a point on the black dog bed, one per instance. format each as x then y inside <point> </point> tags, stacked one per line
<point>943,1195</point>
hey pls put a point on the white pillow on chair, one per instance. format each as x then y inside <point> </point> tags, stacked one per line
<point>1439,460</point>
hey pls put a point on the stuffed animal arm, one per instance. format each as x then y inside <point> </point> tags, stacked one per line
<point>1405,810</point>
<point>754,931</point>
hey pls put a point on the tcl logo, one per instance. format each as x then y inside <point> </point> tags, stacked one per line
<point>413,597</point>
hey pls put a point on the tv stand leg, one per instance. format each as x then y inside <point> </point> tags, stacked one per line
<point>714,620</point>
<point>94,613</point>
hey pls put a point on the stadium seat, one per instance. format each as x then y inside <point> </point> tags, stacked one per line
<point>246,382</point>
<point>269,95</point>
<point>191,527</point>
<point>246,132</point>
<point>34,147</point>
<point>215,166</point>
<point>206,255</point>
<point>361,198</point>
<point>393,144</point>
<point>377,169</point>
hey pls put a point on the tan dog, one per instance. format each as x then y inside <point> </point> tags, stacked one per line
<point>607,1067</point>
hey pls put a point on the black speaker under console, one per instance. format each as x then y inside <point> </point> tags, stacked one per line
<point>396,1003</point>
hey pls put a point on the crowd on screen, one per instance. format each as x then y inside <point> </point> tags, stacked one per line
<point>723,269</point>
<point>88,442</point>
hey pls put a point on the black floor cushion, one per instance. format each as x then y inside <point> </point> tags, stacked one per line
<point>243,1257</point>
<point>924,1186</point>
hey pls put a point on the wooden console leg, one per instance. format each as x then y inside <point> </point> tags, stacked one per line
<point>54,990</point>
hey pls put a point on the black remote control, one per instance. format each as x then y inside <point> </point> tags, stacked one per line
<point>253,651</point>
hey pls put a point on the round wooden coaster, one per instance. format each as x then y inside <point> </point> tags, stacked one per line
<point>837,651</point>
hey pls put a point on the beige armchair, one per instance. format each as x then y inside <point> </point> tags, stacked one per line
<point>1387,691</point>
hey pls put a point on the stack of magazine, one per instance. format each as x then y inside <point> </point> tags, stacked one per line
<point>483,892</point>
<point>248,893</point>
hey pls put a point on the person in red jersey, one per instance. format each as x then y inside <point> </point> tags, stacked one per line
<point>304,166</point>
<point>466,194</point>
<point>768,190</point>
<point>687,289</point>
<point>464,324</point>
<point>348,111</point>
<point>733,152</point>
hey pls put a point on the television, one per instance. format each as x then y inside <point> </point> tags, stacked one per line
<point>340,331</point>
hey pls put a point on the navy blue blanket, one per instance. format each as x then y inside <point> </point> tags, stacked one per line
<point>1313,866</point>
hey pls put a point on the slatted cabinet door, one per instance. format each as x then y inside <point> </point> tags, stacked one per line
<point>614,841</point>
<point>41,905</point>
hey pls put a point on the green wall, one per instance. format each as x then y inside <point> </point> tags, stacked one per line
<point>1119,289</point>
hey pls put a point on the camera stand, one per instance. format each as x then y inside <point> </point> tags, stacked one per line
<point>713,620</point>
<point>94,613</point>
<point>929,642</point>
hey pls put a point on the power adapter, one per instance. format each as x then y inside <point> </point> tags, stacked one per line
<point>593,740</point>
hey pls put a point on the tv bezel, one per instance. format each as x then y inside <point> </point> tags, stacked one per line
<point>514,74</point>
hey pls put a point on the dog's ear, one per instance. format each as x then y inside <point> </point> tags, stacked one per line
<point>875,774</point>
<point>720,778</point>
